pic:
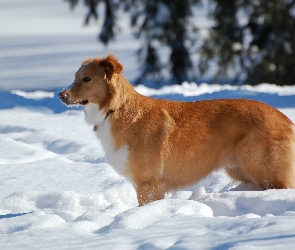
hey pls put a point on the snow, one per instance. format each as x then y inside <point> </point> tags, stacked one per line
<point>35,95</point>
<point>56,189</point>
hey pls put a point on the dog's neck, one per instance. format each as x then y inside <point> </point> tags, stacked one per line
<point>127,103</point>
<point>96,126</point>
<point>94,115</point>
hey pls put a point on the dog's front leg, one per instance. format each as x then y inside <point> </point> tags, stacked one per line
<point>150,191</point>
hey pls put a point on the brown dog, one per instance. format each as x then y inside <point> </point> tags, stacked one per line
<point>164,145</point>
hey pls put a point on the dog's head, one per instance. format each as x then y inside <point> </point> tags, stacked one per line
<point>94,82</point>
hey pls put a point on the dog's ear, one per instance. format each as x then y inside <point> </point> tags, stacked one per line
<point>111,66</point>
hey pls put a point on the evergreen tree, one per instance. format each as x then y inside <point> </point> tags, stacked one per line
<point>155,22</point>
<point>253,38</point>
<point>166,23</point>
<point>109,24</point>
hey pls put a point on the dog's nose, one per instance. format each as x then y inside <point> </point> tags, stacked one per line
<point>63,95</point>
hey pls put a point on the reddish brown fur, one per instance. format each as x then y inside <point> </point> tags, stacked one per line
<point>175,144</point>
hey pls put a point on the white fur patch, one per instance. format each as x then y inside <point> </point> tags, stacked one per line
<point>117,159</point>
<point>93,115</point>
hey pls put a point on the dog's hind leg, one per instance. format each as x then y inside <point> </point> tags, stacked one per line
<point>266,162</point>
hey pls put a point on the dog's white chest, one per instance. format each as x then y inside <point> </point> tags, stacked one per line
<point>118,159</point>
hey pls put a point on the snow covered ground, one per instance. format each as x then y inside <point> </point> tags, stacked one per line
<point>57,191</point>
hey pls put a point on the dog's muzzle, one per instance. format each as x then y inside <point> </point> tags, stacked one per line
<point>65,97</point>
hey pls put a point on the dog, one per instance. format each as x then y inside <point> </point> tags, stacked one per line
<point>163,145</point>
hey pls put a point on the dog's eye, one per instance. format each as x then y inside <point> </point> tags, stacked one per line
<point>86,79</point>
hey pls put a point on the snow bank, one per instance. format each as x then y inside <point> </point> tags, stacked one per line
<point>35,95</point>
<point>192,89</point>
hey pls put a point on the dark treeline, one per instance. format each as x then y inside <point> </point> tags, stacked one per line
<point>251,41</point>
